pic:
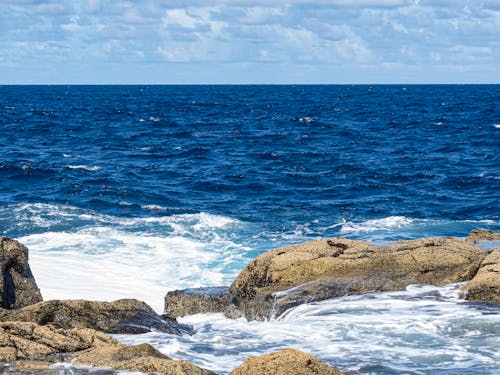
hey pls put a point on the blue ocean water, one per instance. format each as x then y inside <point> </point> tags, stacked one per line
<point>131,191</point>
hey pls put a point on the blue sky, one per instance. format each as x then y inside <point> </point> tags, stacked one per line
<point>243,41</point>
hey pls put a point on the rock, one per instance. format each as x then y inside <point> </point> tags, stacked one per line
<point>321,289</point>
<point>122,316</point>
<point>478,235</point>
<point>142,358</point>
<point>30,346</point>
<point>27,367</point>
<point>336,267</point>
<point>26,340</point>
<point>195,301</point>
<point>17,284</point>
<point>285,362</point>
<point>485,286</point>
<point>48,368</point>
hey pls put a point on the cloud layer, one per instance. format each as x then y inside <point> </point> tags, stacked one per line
<point>167,41</point>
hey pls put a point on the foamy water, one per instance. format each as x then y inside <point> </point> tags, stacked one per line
<point>108,258</point>
<point>423,330</point>
<point>77,253</point>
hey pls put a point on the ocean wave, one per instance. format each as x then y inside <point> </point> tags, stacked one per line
<point>404,228</point>
<point>44,215</point>
<point>85,167</point>
<point>428,325</point>
<point>103,263</point>
<point>153,207</point>
<point>387,223</point>
<point>96,255</point>
<point>76,253</point>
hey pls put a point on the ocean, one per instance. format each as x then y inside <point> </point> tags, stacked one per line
<point>133,191</point>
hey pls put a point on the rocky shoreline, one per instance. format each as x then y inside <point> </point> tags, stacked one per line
<point>36,334</point>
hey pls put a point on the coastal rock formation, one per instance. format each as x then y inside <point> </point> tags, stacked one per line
<point>195,301</point>
<point>324,269</point>
<point>143,358</point>
<point>485,286</point>
<point>285,362</point>
<point>17,284</point>
<point>29,346</point>
<point>26,340</point>
<point>478,235</point>
<point>122,316</point>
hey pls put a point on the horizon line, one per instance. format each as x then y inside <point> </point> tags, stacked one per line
<point>249,84</point>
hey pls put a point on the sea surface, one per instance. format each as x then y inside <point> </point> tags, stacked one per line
<point>133,191</point>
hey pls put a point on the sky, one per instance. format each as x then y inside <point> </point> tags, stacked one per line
<point>244,41</point>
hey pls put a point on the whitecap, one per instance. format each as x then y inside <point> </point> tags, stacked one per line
<point>154,119</point>
<point>85,167</point>
<point>387,223</point>
<point>102,263</point>
<point>496,126</point>
<point>306,119</point>
<point>153,207</point>
<point>84,254</point>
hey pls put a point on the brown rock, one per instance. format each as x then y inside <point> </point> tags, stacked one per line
<point>285,362</point>
<point>29,346</point>
<point>485,286</point>
<point>197,300</point>
<point>25,340</point>
<point>27,367</point>
<point>122,316</point>
<point>478,235</point>
<point>17,284</point>
<point>343,266</point>
<point>142,358</point>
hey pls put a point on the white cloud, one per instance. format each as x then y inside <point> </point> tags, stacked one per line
<point>260,15</point>
<point>181,18</point>
<point>73,25</point>
<point>354,34</point>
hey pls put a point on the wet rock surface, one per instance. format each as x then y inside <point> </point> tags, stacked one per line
<point>479,235</point>
<point>121,316</point>
<point>17,284</point>
<point>40,368</point>
<point>285,362</point>
<point>195,301</point>
<point>485,286</point>
<point>324,269</point>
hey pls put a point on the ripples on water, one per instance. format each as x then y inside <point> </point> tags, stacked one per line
<point>274,154</point>
<point>190,183</point>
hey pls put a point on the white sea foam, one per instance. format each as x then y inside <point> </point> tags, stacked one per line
<point>387,223</point>
<point>425,325</point>
<point>85,167</point>
<point>306,119</point>
<point>153,207</point>
<point>77,253</point>
<point>105,257</point>
<point>125,203</point>
<point>496,126</point>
